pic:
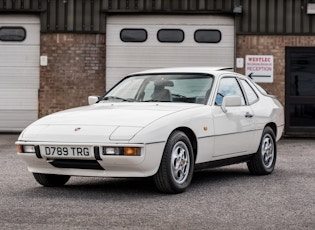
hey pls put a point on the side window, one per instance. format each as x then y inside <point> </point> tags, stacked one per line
<point>228,86</point>
<point>171,35</point>
<point>133,35</point>
<point>250,93</point>
<point>12,34</point>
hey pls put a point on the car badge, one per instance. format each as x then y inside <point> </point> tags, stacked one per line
<point>77,129</point>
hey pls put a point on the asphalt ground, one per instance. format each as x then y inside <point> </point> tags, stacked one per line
<point>223,198</point>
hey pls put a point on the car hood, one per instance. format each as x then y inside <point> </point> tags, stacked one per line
<point>100,122</point>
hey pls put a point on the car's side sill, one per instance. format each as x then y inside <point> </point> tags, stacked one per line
<point>223,162</point>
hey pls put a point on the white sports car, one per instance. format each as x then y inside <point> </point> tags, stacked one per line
<point>164,123</point>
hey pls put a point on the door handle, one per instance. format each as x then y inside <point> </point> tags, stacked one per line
<point>248,115</point>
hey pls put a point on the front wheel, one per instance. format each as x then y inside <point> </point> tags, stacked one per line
<point>177,165</point>
<point>51,180</point>
<point>264,161</point>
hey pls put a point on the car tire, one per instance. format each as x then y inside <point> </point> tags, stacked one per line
<point>177,164</point>
<point>51,180</point>
<point>264,160</point>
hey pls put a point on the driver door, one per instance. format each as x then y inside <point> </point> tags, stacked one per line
<point>233,128</point>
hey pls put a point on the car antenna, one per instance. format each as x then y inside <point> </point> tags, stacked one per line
<point>250,75</point>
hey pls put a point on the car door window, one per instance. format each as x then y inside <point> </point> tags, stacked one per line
<point>250,93</point>
<point>228,86</point>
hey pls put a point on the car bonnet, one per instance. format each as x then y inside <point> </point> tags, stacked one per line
<point>100,122</point>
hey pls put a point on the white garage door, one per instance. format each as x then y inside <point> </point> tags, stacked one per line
<point>141,42</point>
<point>19,71</point>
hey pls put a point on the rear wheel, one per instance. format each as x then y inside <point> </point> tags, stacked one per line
<point>51,180</point>
<point>263,162</point>
<point>177,165</point>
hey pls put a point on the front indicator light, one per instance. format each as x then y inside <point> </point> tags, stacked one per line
<point>121,151</point>
<point>131,151</point>
<point>20,148</point>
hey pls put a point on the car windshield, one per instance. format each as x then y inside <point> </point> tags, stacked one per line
<point>189,88</point>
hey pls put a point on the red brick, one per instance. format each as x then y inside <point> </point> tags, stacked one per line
<point>76,69</point>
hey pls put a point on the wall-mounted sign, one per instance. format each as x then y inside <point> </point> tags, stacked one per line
<point>259,67</point>
<point>239,62</point>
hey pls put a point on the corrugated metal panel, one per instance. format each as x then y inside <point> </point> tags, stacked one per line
<point>275,17</point>
<point>17,56</point>
<point>88,16</point>
<point>176,5</point>
<point>18,99</point>
<point>126,57</point>
<point>18,77</point>
<point>17,118</point>
<point>19,74</point>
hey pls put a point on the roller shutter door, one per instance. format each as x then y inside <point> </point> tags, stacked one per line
<point>19,71</point>
<point>123,57</point>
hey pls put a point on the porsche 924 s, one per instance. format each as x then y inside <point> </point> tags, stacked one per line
<point>164,123</point>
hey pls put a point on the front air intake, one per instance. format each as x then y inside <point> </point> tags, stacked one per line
<point>76,164</point>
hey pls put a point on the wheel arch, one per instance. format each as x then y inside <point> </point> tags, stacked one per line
<point>273,126</point>
<point>192,137</point>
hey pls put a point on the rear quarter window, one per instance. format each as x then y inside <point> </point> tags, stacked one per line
<point>250,93</point>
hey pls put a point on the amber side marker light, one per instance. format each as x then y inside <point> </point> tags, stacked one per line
<point>20,148</point>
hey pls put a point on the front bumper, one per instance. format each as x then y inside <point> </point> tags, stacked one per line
<point>99,165</point>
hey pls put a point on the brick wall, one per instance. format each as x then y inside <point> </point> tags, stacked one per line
<point>271,45</point>
<point>76,69</point>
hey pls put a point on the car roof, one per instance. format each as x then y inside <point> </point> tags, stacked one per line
<point>205,70</point>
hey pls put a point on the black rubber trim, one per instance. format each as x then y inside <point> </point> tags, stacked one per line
<point>223,162</point>
<point>76,164</point>
<point>37,151</point>
<point>97,153</point>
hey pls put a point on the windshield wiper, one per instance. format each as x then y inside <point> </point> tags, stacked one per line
<point>155,100</point>
<point>178,95</point>
<point>118,98</point>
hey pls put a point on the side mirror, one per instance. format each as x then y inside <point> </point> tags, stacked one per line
<point>93,99</point>
<point>229,101</point>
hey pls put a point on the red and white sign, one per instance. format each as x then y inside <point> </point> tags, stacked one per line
<point>259,67</point>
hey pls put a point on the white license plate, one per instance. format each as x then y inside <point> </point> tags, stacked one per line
<point>67,151</point>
